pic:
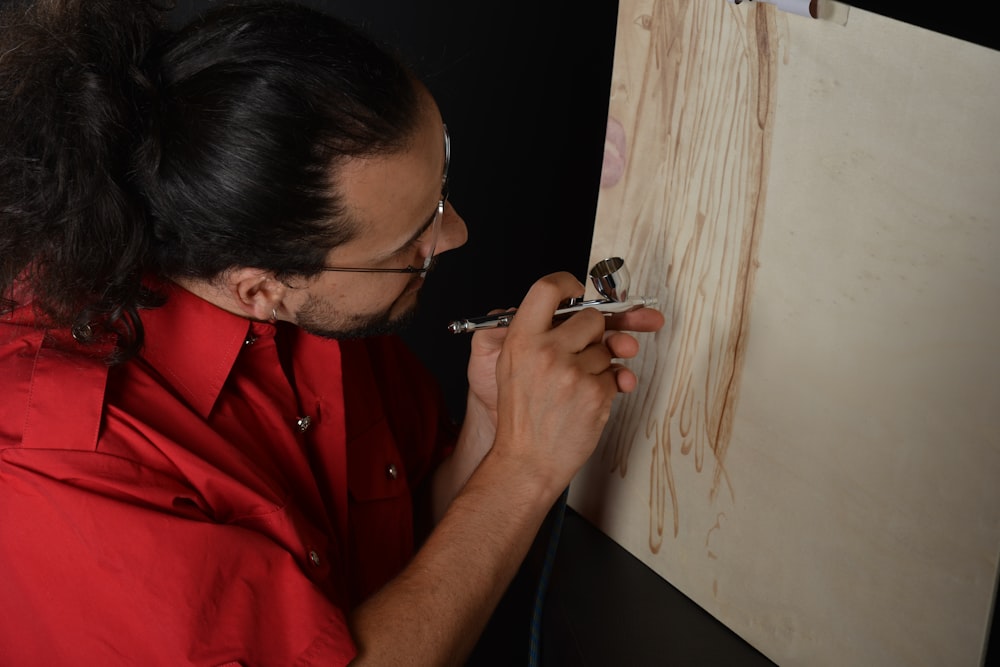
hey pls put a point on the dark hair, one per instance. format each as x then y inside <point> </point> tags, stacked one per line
<point>129,151</point>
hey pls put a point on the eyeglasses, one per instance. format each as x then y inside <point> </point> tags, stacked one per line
<point>433,226</point>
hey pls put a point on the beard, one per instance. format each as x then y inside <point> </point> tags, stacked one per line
<point>321,319</point>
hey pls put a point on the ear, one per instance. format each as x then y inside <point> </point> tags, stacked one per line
<point>256,293</point>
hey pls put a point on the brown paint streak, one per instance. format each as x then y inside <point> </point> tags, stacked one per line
<point>694,197</point>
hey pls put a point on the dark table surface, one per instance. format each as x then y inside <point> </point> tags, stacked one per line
<point>603,607</point>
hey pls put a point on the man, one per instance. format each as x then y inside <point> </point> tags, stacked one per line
<point>233,216</point>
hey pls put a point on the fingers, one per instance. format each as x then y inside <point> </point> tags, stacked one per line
<point>490,339</point>
<point>625,379</point>
<point>543,299</point>
<point>596,340</point>
<point>622,345</point>
<point>595,358</point>
<point>640,319</point>
<point>587,326</point>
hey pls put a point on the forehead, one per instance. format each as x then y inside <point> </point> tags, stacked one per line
<point>390,196</point>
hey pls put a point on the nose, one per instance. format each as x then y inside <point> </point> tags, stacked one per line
<point>453,232</point>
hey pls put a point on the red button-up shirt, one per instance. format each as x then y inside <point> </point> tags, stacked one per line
<point>225,498</point>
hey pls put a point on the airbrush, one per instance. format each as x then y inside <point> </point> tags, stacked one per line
<point>609,277</point>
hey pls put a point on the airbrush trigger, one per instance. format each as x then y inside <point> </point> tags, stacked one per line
<point>570,302</point>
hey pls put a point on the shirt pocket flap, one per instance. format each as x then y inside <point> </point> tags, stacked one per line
<point>374,467</point>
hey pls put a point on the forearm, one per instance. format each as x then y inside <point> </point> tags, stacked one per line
<point>542,404</point>
<point>474,442</point>
<point>434,611</point>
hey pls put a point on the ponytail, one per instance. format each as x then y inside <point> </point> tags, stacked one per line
<point>75,101</point>
<point>128,151</point>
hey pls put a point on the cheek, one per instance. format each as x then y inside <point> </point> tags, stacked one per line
<point>365,295</point>
<point>378,294</point>
<point>346,293</point>
<point>412,287</point>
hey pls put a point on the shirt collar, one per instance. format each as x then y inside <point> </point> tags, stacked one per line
<point>193,345</point>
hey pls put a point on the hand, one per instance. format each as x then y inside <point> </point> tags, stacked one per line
<point>556,384</point>
<point>550,391</point>
<point>482,373</point>
<point>487,343</point>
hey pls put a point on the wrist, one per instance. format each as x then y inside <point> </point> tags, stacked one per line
<point>479,413</point>
<point>520,478</point>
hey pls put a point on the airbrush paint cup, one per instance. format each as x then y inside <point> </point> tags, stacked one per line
<point>611,279</point>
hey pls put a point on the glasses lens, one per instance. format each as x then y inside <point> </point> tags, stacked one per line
<point>436,225</point>
<point>435,228</point>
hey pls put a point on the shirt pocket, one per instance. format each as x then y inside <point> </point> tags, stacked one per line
<point>375,469</point>
<point>380,510</point>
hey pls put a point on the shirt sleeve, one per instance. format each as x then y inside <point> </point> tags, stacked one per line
<point>93,572</point>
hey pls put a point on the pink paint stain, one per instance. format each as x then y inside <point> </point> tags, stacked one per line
<point>614,154</point>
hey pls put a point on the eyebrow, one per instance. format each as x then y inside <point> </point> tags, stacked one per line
<point>420,232</point>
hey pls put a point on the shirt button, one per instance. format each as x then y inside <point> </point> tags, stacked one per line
<point>391,471</point>
<point>314,558</point>
<point>304,423</point>
<point>250,340</point>
<point>83,333</point>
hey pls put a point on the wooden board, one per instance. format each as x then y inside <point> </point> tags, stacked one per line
<point>813,454</point>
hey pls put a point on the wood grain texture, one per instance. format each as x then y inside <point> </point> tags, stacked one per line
<point>813,453</point>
